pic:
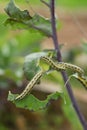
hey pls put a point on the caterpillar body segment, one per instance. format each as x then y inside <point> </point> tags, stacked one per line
<point>62,65</point>
<point>31,84</point>
<point>55,66</point>
<point>82,79</point>
<point>72,67</point>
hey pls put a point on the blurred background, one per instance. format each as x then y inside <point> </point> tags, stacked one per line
<point>16,44</point>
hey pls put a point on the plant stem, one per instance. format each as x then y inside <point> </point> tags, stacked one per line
<point>64,75</point>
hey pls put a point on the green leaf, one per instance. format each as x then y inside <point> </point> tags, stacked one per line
<point>15,24</point>
<point>31,64</point>
<point>32,103</point>
<point>11,97</point>
<point>41,24</point>
<point>15,13</point>
<point>23,20</point>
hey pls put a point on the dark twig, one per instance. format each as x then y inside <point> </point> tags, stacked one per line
<point>64,75</point>
<point>45,3</point>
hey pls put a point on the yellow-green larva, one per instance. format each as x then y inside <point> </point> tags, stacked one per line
<point>30,85</point>
<point>73,67</point>
<point>59,66</point>
<point>62,65</point>
<point>82,79</point>
<point>52,64</point>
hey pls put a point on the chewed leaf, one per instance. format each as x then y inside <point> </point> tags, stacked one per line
<point>11,97</point>
<point>31,65</point>
<point>15,13</point>
<point>32,103</point>
<point>23,20</point>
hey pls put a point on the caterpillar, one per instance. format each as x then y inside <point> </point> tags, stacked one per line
<point>73,67</point>
<point>30,85</point>
<point>52,64</point>
<point>62,65</point>
<point>82,79</point>
<point>56,66</point>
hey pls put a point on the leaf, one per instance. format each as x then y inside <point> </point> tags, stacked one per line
<point>41,24</point>
<point>15,24</point>
<point>15,13</point>
<point>31,64</point>
<point>23,20</point>
<point>32,103</point>
<point>11,96</point>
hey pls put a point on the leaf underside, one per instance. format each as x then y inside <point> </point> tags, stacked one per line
<point>23,20</point>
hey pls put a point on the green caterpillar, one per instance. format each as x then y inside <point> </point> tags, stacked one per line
<point>62,65</point>
<point>52,64</point>
<point>30,85</point>
<point>82,79</point>
<point>59,66</point>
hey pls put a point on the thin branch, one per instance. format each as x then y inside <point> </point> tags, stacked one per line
<point>55,40</point>
<point>64,75</point>
<point>45,3</point>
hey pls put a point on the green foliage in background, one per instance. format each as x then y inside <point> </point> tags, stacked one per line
<point>64,3</point>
